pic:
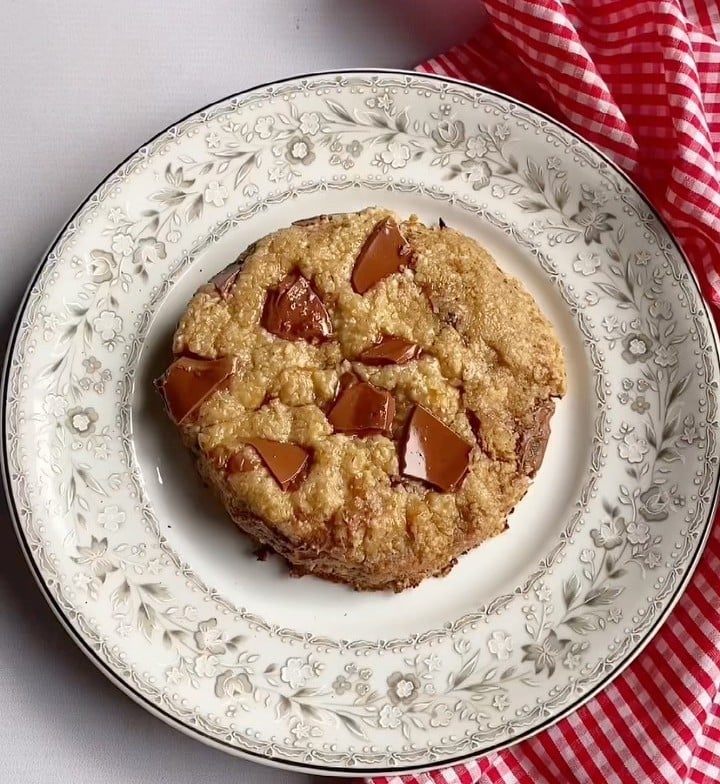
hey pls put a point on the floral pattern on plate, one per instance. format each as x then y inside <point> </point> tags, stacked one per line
<point>502,670</point>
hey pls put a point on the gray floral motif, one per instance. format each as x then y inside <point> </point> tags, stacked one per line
<point>666,356</point>
<point>102,267</point>
<point>345,155</point>
<point>341,684</point>
<point>637,533</point>
<point>640,405</point>
<point>689,433</point>
<point>95,557</point>
<point>395,156</point>
<point>479,176</point>
<point>215,193</point>
<point>108,325</point>
<point>653,559</point>
<point>95,376</point>
<point>449,133</point>
<point>500,645</point>
<point>610,533</point>
<point>296,672</point>
<point>654,504</point>
<point>309,123</point>
<point>231,684</point>
<point>264,127</point>
<point>91,364</point>
<point>587,263</point>
<point>206,665</point>
<point>593,221</point>
<point>55,406</point>
<point>81,421</point>
<point>476,147</point>
<point>661,309</point>
<point>441,715</point>
<point>637,348</point>
<point>149,250</point>
<point>571,661</point>
<point>390,717</point>
<point>111,518</point>
<point>122,244</point>
<point>302,731</point>
<point>633,448</point>
<point>300,150</point>
<point>544,655</point>
<point>209,638</point>
<point>402,688</point>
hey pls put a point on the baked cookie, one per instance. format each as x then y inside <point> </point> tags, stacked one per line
<point>369,397</point>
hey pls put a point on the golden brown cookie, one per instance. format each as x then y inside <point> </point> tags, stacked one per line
<point>369,397</point>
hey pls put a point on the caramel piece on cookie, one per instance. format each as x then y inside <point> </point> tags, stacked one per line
<point>188,382</point>
<point>385,251</point>
<point>362,409</point>
<point>284,461</point>
<point>431,451</point>
<point>294,311</point>
<point>532,443</point>
<point>390,351</point>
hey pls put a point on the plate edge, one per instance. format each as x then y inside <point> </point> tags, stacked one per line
<point>272,761</point>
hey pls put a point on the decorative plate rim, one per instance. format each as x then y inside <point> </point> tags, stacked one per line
<point>197,733</point>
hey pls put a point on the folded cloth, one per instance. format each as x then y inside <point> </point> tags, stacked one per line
<point>641,81</point>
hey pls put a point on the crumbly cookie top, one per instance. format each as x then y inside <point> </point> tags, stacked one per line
<point>317,317</point>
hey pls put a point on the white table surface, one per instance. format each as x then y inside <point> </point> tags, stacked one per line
<point>82,84</point>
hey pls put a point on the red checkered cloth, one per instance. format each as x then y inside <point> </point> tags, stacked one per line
<point>641,81</point>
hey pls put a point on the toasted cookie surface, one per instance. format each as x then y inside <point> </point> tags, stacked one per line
<point>385,395</point>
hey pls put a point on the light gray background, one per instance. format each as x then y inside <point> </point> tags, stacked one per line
<point>82,84</point>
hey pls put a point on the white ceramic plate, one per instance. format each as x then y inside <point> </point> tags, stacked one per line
<point>156,584</point>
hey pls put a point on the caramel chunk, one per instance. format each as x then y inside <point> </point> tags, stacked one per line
<point>431,451</point>
<point>531,443</point>
<point>187,383</point>
<point>346,381</point>
<point>284,461</point>
<point>390,351</point>
<point>385,251</point>
<point>294,311</point>
<point>362,409</point>
<point>225,280</point>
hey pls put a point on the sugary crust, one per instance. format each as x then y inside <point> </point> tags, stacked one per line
<point>489,360</point>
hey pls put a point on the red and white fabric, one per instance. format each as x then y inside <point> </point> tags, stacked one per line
<point>641,81</point>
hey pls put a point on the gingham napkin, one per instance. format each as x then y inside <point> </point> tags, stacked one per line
<point>641,80</point>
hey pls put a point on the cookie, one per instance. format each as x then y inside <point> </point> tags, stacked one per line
<point>369,397</point>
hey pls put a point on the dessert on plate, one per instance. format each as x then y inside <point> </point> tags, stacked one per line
<point>370,397</point>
